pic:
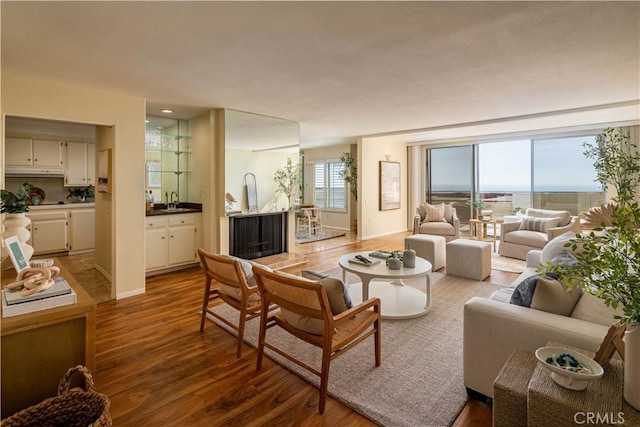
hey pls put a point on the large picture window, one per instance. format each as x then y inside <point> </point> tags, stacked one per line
<point>329,187</point>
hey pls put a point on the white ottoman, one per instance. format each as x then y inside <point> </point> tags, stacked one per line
<point>469,258</point>
<point>431,248</point>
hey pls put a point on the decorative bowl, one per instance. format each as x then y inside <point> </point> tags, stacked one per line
<point>569,369</point>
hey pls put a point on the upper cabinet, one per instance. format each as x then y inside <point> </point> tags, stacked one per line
<point>80,164</point>
<point>33,152</point>
<point>168,152</point>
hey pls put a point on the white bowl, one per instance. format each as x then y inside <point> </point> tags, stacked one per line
<point>565,377</point>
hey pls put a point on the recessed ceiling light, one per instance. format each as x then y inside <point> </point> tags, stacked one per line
<point>166,110</point>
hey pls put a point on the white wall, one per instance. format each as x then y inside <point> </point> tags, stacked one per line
<point>372,222</point>
<point>122,119</point>
<point>339,220</point>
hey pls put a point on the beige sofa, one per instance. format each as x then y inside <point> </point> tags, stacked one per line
<point>446,225</point>
<point>536,228</point>
<point>494,328</point>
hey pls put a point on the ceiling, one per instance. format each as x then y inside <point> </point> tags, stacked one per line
<point>341,69</point>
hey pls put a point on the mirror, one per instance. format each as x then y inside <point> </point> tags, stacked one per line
<point>167,145</point>
<point>258,145</point>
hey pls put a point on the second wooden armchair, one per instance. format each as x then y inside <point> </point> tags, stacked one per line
<point>305,313</point>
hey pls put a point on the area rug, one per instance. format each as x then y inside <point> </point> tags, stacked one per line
<point>504,263</point>
<point>420,381</point>
<point>323,235</point>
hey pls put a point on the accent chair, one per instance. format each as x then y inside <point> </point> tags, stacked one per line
<point>437,220</point>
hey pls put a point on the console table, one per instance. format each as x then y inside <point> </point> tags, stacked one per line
<point>38,348</point>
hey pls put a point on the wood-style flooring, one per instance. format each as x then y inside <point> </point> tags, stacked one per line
<point>158,369</point>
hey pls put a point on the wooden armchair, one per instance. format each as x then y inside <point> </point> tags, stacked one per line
<point>305,313</point>
<point>234,288</point>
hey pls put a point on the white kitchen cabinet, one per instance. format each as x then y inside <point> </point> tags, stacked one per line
<point>81,230</point>
<point>35,152</point>
<point>157,252</point>
<point>171,241</point>
<point>48,231</point>
<point>79,164</point>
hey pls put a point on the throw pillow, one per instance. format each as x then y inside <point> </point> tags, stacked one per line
<point>555,246</point>
<point>523,293</point>
<point>543,225</point>
<point>448,213</point>
<point>553,297</point>
<point>435,213</point>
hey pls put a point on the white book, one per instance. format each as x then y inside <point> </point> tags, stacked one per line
<point>59,287</point>
<point>37,305</point>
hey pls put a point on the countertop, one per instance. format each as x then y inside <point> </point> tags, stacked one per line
<point>46,206</point>
<point>182,208</point>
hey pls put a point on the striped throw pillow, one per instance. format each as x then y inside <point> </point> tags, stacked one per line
<point>543,225</point>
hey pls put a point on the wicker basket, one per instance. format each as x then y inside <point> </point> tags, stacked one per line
<point>70,408</point>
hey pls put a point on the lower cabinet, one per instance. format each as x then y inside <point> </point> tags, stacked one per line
<point>171,241</point>
<point>48,232</point>
<point>82,230</point>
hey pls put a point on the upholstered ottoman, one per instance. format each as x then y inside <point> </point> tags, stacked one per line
<point>469,258</point>
<point>431,248</point>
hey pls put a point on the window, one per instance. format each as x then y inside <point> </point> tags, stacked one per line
<point>329,188</point>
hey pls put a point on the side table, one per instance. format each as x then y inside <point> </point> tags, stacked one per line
<point>510,390</point>
<point>601,403</point>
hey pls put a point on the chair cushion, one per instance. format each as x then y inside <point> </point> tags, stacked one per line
<point>534,239</point>
<point>593,309</point>
<point>337,292</point>
<point>337,295</point>
<point>538,224</point>
<point>438,228</point>
<point>236,293</point>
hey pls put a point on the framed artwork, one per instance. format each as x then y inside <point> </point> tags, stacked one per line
<point>15,252</point>
<point>104,171</point>
<point>389,185</point>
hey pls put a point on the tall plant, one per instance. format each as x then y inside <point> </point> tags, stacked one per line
<point>349,173</point>
<point>286,178</point>
<point>608,258</point>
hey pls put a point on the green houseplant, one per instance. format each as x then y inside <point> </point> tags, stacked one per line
<point>15,203</point>
<point>81,193</point>
<point>608,257</point>
<point>286,178</point>
<point>349,173</point>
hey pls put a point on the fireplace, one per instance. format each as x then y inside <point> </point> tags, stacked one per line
<point>258,235</point>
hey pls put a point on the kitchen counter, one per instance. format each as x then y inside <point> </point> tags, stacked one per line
<point>46,206</point>
<point>182,208</point>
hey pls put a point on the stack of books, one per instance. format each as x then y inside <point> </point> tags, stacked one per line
<point>59,294</point>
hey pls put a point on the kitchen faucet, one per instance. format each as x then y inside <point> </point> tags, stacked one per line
<point>173,204</point>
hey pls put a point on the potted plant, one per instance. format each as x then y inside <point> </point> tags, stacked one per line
<point>286,178</point>
<point>15,203</point>
<point>479,206</point>
<point>394,262</point>
<point>349,173</point>
<point>81,194</point>
<point>608,261</point>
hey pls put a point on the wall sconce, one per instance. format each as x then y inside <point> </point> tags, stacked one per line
<point>387,156</point>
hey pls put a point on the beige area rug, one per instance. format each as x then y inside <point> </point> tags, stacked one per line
<point>420,381</point>
<point>504,263</point>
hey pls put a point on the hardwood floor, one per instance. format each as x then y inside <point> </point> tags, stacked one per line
<point>158,369</point>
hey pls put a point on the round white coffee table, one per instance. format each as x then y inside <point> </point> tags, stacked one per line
<point>399,301</point>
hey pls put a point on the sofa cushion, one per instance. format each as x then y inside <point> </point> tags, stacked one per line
<point>564,216</point>
<point>552,296</point>
<point>538,224</point>
<point>432,213</point>
<point>448,213</point>
<point>593,309</point>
